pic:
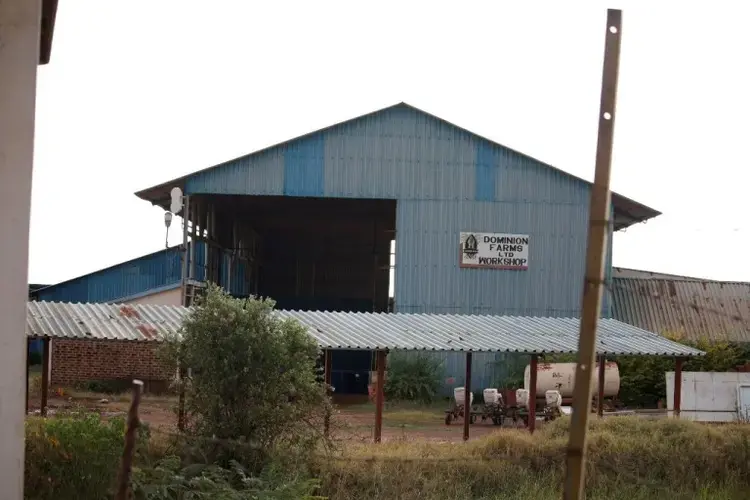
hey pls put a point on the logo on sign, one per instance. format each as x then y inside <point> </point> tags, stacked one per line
<point>471,246</point>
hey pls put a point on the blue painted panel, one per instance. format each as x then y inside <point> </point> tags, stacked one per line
<point>123,280</point>
<point>259,174</point>
<point>428,279</point>
<point>303,167</point>
<point>486,171</point>
<point>400,154</point>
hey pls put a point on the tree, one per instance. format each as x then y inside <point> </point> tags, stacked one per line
<point>253,374</point>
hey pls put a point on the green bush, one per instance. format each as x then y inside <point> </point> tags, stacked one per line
<point>169,480</point>
<point>412,378</point>
<point>72,454</point>
<point>253,380</point>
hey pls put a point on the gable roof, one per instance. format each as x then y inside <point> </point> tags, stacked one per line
<point>627,211</point>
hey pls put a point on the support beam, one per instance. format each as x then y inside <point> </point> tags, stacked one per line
<point>45,375</point>
<point>677,387</point>
<point>19,54</point>
<point>327,363</point>
<point>467,397</point>
<point>593,283</point>
<point>600,393</point>
<point>533,373</point>
<point>379,395</point>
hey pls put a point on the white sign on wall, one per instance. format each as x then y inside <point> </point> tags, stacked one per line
<point>494,251</point>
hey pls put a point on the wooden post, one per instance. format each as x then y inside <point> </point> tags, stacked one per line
<point>123,481</point>
<point>533,373</point>
<point>45,375</point>
<point>600,394</point>
<point>677,387</point>
<point>599,215</point>
<point>327,381</point>
<point>181,400</point>
<point>467,397</point>
<point>27,377</point>
<point>379,395</point>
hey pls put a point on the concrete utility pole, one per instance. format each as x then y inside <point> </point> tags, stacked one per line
<point>595,258</point>
<point>19,56</point>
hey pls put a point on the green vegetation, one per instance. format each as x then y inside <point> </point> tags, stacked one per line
<point>255,418</point>
<point>628,458</point>
<point>77,455</point>
<point>412,378</point>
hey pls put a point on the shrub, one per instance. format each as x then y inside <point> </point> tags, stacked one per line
<point>170,480</point>
<point>412,378</point>
<point>253,378</point>
<point>73,454</point>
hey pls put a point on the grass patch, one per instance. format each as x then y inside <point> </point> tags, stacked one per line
<point>628,458</point>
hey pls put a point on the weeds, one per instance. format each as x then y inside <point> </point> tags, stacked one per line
<point>628,458</point>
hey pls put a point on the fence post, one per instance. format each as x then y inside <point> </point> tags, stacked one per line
<point>123,481</point>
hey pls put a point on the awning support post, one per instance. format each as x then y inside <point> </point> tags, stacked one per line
<point>45,375</point>
<point>379,395</point>
<point>467,397</point>
<point>533,371</point>
<point>600,394</point>
<point>327,381</point>
<point>677,387</point>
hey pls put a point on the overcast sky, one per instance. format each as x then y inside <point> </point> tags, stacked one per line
<point>140,92</point>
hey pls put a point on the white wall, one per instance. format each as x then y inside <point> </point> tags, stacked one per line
<point>707,396</point>
<point>19,56</point>
<point>166,298</point>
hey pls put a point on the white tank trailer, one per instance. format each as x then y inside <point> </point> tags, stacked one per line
<point>561,377</point>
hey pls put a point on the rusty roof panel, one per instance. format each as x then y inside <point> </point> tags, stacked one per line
<point>371,331</point>
<point>692,309</point>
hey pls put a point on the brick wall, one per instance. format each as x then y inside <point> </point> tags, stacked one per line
<point>84,360</point>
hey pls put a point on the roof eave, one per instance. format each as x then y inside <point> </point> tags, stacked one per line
<point>47,29</point>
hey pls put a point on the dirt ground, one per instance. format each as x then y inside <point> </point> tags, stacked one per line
<point>349,423</point>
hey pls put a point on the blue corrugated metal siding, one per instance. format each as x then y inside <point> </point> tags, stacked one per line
<point>261,174</point>
<point>130,278</point>
<point>303,167</point>
<point>486,172</point>
<point>428,278</point>
<point>400,154</point>
<point>437,172</point>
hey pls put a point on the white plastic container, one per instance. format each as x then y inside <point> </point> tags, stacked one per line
<point>491,396</point>
<point>553,398</point>
<point>458,394</point>
<point>522,398</point>
<point>561,377</point>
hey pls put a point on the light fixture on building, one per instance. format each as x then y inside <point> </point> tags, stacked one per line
<point>167,222</point>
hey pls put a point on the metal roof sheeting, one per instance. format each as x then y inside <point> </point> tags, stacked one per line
<point>142,322</point>
<point>693,309</point>
<point>343,330</point>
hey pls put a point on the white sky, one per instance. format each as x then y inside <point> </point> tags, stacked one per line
<point>140,92</point>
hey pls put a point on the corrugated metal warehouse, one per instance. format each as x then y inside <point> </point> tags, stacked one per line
<point>310,223</point>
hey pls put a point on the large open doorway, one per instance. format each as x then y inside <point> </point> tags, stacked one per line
<point>324,254</point>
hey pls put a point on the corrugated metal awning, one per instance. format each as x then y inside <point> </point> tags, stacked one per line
<point>343,330</point>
